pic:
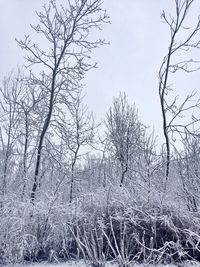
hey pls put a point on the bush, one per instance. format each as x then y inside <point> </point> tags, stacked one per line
<point>96,233</point>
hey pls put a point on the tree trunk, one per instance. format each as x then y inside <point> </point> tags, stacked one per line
<point>41,139</point>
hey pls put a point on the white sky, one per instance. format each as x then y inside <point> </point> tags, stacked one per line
<point>138,41</point>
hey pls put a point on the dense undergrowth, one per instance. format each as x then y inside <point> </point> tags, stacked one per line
<point>85,229</point>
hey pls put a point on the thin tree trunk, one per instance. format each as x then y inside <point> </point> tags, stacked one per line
<point>124,171</point>
<point>72,174</point>
<point>25,154</point>
<point>4,189</point>
<point>41,139</point>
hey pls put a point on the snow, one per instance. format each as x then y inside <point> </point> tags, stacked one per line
<point>83,264</point>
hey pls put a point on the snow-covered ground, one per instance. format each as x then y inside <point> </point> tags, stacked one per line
<point>83,264</point>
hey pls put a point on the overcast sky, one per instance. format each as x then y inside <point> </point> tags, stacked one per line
<point>138,41</point>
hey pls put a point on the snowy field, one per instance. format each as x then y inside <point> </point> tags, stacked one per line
<point>83,264</point>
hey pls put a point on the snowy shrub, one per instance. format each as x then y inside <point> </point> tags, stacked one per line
<point>96,231</point>
<point>128,234</point>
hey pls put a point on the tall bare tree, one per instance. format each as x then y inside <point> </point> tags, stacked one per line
<point>172,110</point>
<point>64,64</point>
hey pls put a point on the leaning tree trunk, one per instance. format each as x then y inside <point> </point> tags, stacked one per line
<point>41,139</point>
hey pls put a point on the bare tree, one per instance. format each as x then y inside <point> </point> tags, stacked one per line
<point>27,109</point>
<point>148,163</point>
<point>64,65</point>
<point>77,130</point>
<point>124,132</point>
<point>188,164</point>
<point>10,92</point>
<point>171,111</point>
